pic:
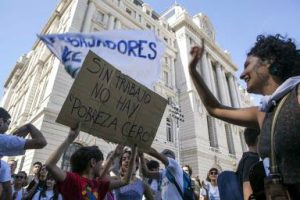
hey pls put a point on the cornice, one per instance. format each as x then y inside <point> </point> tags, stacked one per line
<point>184,20</point>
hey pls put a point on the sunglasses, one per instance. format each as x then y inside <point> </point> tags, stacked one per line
<point>213,173</point>
<point>20,177</point>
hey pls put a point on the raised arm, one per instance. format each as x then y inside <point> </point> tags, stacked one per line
<point>116,184</point>
<point>117,152</point>
<point>146,172</point>
<point>37,140</point>
<point>58,174</point>
<point>247,117</point>
<point>159,156</point>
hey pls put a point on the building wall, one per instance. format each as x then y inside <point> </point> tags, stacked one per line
<point>38,84</point>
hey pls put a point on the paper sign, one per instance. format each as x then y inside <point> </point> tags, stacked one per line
<point>111,105</point>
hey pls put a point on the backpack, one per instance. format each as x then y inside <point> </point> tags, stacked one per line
<point>188,192</point>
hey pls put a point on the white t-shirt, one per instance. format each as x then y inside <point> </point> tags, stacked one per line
<point>168,189</point>
<point>18,195</point>
<point>11,145</point>
<point>4,172</point>
<point>49,195</point>
<point>212,190</point>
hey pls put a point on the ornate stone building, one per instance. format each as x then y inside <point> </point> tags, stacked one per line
<point>38,84</point>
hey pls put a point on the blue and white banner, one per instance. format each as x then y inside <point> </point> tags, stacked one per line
<point>134,52</point>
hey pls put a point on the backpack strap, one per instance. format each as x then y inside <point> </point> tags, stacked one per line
<point>172,179</point>
<point>273,163</point>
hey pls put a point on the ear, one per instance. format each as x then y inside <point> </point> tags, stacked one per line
<point>92,162</point>
<point>273,69</point>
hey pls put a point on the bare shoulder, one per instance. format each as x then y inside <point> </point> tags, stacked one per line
<point>260,118</point>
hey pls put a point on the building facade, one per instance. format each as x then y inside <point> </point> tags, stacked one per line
<point>38,84</point>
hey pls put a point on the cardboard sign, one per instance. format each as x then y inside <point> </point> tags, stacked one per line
<point>111,105</point>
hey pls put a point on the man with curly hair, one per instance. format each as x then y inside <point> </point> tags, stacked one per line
<point>272,69</point>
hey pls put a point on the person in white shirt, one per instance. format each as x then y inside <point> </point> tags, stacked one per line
<point>16,144</point>
<point>168,189</point>
<point>18,190</point>
<point>210,190</point>
<point>50,192</point>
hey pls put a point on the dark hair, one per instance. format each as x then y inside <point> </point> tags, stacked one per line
<point>38,163</point>
<point>152,164</point>
<point>25,175</point>
<point>250,136</point>
<point>81,158</point>
<point>211,169</point>
<point>280,52</point>
<point>44,189</point>
<point>190,169</point>
<point>124,151</point>
<point>23,172</point>
<point>169,153</point>
<point>4,114</point>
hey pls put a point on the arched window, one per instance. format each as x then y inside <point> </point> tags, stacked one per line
<point>170,137</point>
<point>65,164</point>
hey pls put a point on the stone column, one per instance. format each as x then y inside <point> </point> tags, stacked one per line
<point>172,67</point>
<point>232,91</point>
<point>118,24</point>
<point>105,20</point>
<point>228,101</point>
<point>88,16</point>
<point>111,22</point>
<point>205,70</point>
<point>221,83</point>
<point>237,92</point>
<point>212,78</point>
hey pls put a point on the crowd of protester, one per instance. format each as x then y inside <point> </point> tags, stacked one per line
<point>126,174</point>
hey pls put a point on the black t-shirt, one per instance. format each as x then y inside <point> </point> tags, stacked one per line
<point>245,164</point>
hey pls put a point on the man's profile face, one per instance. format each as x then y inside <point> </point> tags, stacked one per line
<point>36,168</point>
<point>4,124</point>
<point>13,165</point>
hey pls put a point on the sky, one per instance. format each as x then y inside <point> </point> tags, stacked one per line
<point>236,23</point>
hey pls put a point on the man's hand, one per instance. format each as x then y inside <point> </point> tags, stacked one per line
<point>74,132</point>
<point>118,151</point>
<point>196,53</point>
<point>21,131</point>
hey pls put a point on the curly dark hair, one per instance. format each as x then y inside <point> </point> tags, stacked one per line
<point>152,164</point>
<point>250,136</point>
<point>280,52</point>
<point>4,114</point>
<point>81,158</point>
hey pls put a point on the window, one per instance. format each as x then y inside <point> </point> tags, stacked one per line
<point>166,78</point>
<point>169,131</point>
<point>229,139</point>
<point>100,17</point>
<point>166,60</point>
<point>218,92</point>
<point>243,143</point>
<point>115,23</point>
<point>166,39</point>
<point>128,11</point>
<point>148,26</point>
<point>65,165</point>
<point>212,132</point>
